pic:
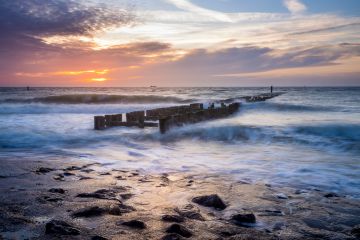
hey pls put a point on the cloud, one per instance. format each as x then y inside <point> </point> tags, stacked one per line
<point>295,6</point>
<point>190,7</point>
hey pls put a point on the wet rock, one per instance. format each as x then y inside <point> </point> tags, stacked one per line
<point>212,200</point>
<point>189,211</point>
<point>300,191</point>
<point>172,236</point>
<point>87,170</point>
<point>72,168</point>
<point>120,178</point>
<point>104,173</point>
<point>244,218</point>
<point>98,238</point>
<point>68,174</point>
<point>43,170</point>
<point>89,212</point>
<point>59,177</point>
<point>279,226</point>
<point>108,194</point>
<point>356,231</point>
<point>134,224</point>
<point>54,199</point>
<point>61,228</point>
<point>57,190</point>
<point>281,196</point>
<point>172,218</point>
<point>126,196</point>
<point>120,209</point>
<point>331,195</point>
<point>179,229</point>
<point>84,178</point>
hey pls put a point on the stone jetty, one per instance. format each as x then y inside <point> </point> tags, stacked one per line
<point>176,116</point>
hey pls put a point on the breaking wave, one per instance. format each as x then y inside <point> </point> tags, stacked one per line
<point>100,99</point>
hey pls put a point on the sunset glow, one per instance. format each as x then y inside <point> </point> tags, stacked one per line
<point>182,43</point>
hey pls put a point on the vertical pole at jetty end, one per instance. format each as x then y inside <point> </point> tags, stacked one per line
<point>99,122</point>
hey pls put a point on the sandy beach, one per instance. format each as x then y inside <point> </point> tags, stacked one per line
<point>77,200</point>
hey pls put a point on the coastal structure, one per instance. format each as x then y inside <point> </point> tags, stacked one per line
<point>166,118</point>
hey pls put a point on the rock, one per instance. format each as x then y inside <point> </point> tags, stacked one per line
<point>87,170</point>
<point>212,200</point>
<point>98,238</point>
<point>190,212</point>
<point>108,194</point>
<point>126,196</point>
<point>244,218</point>
<point>172,218</point>
<point>84,178</point>
<point>120,209</point>
<point>72,168</point>
<point>172,236</point>
<point>68,174</point>
<point>61,228</point>
<point>59,177</point>
<point>104,173</point>
<point>281,196</point>
<point>179,229</point>
<point>298,191</point>
<point>134,224</point>
<point>43,170</point>
<point>89,212</point>
<point>57,190</point>
<point>279,226</point>
<point>331,195</point>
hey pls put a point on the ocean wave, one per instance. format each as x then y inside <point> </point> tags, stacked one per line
<point>100,99</point>
<point>273,106</point>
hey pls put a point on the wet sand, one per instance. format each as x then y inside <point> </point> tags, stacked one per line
<point>86,200</point>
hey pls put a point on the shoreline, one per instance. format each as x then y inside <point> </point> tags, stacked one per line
<point>39,197</point>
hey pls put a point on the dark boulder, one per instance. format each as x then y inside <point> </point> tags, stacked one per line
<point>43,170</point>
<point>172,236</point>
<point>212,200</point>
<point>179,229</point>
<point>172,218</point>
<point>331,195</point>
<point>244,218</point>
<point>57,190</point>
<point>61,228</point>
<point>135,224</point>
<point>89,212</point>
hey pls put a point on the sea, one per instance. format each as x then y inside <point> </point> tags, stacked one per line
<point>308,137</point>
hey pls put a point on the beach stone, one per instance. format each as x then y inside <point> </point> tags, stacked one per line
<point>126,196</point>
<point>72,168</point>
<point>212,200</point>
<point>172,236</point>
<point>57,190</point>
<point>59,177</point>
<point>356,231</point>
<point>244,218</point>
<point>89,212</point>
<point>281,196</point>
<point>189,211</point>
<point>68,174</point>
<point>108,194</point>
<point>179,229</point>
<point>43,170</point>
<point>84,178</point>
<point>61,228</point>
<point>135,224</point>
<point>172,218</point>
<point>331,195</point>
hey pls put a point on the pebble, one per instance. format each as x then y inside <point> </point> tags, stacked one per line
<point>89,212</point>
<point>331,195</point>
<point>281,196</point>
<point>244,218</point>
<point>57,190</point>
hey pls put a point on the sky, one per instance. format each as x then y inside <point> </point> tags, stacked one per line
<point>177,43</point>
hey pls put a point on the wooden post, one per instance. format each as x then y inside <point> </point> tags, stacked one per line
<point>99,122</point>
<point>163,124</point>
